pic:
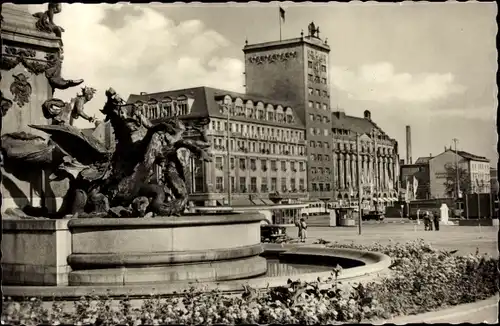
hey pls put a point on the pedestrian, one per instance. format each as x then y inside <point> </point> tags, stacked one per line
<point>298,224</point>
<point>303,233</point>
<point>427,222</point>
<point>435,219</point>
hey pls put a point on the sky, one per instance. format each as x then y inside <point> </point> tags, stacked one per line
<point>428,65</point>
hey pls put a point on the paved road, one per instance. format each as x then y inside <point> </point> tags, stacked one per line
<point>465,239</point>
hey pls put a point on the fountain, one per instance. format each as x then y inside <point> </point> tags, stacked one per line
<point>119,227</point>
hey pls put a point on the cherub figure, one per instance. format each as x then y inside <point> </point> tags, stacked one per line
<point>64,113</point>
<point>45,21</point>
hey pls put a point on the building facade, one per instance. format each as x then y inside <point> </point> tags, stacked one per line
<point>420,171</point>
<point>476,167</point>
<point>267,154</point>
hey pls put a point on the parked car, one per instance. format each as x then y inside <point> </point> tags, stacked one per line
<point>373,215</point>
<point>272,233</point>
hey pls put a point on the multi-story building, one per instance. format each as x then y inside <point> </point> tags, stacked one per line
<point>420,171</point>
<point>378,159</point>
<point>494,181</point>
<point>296,71</point>
<point>476,167</point>
<point>267,154</point>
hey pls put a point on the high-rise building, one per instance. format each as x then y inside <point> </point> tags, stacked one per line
<point>296,71</point>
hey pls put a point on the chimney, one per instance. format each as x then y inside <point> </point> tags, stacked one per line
<point>408,145</point>
<point>367,115</point>
<point>144,93</point>
<point>430,155</point>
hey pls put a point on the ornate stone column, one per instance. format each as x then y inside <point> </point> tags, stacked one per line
<point>335,172</point>
<point>341,171</point>
<point>354,179</point>
<point>348,180</point>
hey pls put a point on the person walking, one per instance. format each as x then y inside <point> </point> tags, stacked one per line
<point>303,233</point>
<point>298,224</point>
<point>435,220</point>
<point>427,222</point>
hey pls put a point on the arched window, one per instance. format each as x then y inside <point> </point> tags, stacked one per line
<point>238,107</point>
<point>270,112</point>
<point>250,110</point>
<point>227,104</point>
<point>260,111</point>
<point>166,107</point>
<point>182,105</point>
<point>280,115</point>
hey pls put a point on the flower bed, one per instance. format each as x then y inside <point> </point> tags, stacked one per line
<point>422,279</point>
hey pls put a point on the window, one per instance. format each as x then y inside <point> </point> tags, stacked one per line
<point>243,184</point>
<point>313,170</point>
<point>253,184</point>
<point>219,184</point>
<point>320,170</point>
<point>311,130</point>
<point>309,64</point>
<point>301,185</point>
<point>274,182</point>
<point>311,91</point>
<point>310,78</point>
<point>310,104</point>
<point>233,184</point>
<point>315,187</point>
<point>312,144</point>
<point>242,164</point>
<point>263,165</point>
<point>263,185</point>
<point>320,157</point>
<point>270,116</point>
<point>311,117</point>
<point>218,163</point>
<point>320,186</point>
<point>283,184</point>
<point>325,93</point>
<point>323,80</point>
<point>325,119</point>
<point>318,92</point>
<point>317,105</point>
<point>313,157</point>
<point>301,166</point>
<point>292,166</point>
<point>327,146</point>
<point>327,185</point>
<point>327,157</point>
<point>318,117</point>
<point>293,184</point>
<point>323,68</point>
<point>327,170</point>
<point>283,166</point>
<point>273,166</point>
<point>253,165</point>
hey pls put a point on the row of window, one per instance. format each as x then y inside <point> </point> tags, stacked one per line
<point>248,110</point>
<point>319,118</point>
<point>317,92</point>
<point>167,107</point>
<point>320,157</point>
<point>347,132</point>
<point>286,185</point>
<point>242,164</point>
<point>244,128</point>
<point>317,132</point>
<point>321,186</point>
<point>310,66</point>
<point>319,144</point>
<point>317,105</point>
<point>245,146</point>
<point>316,79</point>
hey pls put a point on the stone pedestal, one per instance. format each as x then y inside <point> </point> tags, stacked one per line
<point>23,65</point>
<point>35,252</point>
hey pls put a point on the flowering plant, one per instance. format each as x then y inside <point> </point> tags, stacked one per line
<point>422,279</point>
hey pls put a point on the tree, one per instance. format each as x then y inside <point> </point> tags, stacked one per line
<point>451,180</point>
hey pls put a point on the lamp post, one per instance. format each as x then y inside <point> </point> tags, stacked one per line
<point>228,154</point>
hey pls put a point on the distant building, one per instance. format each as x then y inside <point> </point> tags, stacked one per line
<point>102,132</point>
<point>378,154</point>
<point>478,168</point>
<point>421,172</point>
<point>494,181</point>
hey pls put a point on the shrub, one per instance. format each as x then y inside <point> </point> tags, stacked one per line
<point>422,279</point>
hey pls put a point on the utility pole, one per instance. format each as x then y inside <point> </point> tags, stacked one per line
<point>228,154</point>
<point>457,178</point>
<point>358,173</point>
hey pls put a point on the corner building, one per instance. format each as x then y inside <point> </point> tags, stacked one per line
<point>267,154</point>
<point>296,71</point>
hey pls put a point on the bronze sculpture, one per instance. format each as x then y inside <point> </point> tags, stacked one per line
<point>122,184</point>
<point>64,113</point>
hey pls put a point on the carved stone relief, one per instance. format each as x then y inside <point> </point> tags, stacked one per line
<point>14,56</point>
<point>21,89</point>
<point>270,58</point>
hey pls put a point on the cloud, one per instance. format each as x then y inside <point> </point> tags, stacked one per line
<point>380,83</point>
<point>147,53</point>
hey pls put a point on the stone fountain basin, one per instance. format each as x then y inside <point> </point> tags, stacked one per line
<point>108,251</point>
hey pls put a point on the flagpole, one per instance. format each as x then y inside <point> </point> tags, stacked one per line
<point>279,18</point>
